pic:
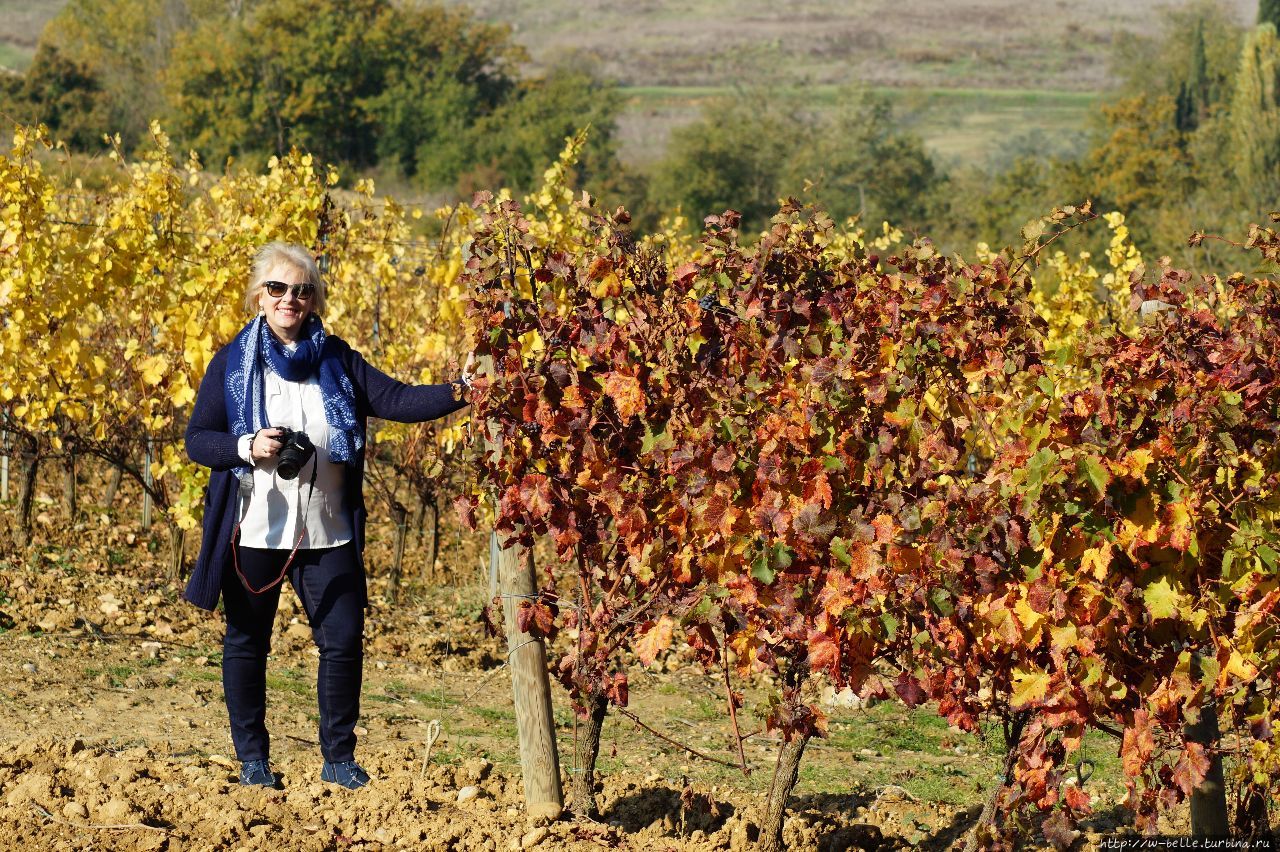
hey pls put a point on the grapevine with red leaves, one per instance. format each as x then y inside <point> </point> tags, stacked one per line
<point>829,466</point>
<point>586,364</point>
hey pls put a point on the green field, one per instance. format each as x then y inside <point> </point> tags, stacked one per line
<point>970,78</point>
<point>1003,44</point>
<point>20,24</point>
<point>957,125</point>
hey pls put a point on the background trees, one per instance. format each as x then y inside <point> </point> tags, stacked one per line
<point>439,101</point>
<point>61,92</point>
<point>1255,115</point>
<point>756,146</point>
<point>352,82</point>
<point>423,93</point>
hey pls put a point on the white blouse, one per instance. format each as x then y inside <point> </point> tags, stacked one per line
<point>278,510</point>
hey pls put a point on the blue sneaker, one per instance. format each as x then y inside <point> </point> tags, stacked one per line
<point>257,773</point>
<point>345,774</point>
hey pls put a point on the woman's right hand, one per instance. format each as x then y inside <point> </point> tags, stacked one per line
<point>265,444</point>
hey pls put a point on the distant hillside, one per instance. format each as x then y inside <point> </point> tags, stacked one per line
<point>985,44</point>
<point>968,75</point>
<point>20,24</point>
<point>982,44</point>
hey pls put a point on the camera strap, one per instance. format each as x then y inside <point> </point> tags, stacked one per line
<point>302,523</point>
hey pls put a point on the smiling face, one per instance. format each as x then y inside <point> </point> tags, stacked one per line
<point>285,314</point>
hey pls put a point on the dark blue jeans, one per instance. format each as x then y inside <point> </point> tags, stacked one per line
<point>331,586</point>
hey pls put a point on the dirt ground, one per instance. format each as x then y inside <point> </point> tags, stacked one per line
<point>115,735</point>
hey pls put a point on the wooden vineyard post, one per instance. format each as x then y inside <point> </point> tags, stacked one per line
<point>1209,798</point>
<point>146,492</point>
<point>527,659</point>
<point>539,760</point>
<point>4,466</point>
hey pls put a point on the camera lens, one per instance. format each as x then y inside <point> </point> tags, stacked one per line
<point>288,467</point>
<point>294,455</point>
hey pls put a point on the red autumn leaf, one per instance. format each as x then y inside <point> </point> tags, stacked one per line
<point>600,267</point>
<point>862,562</point>
<point>769,513</point>
<point>714,511</point>
<point>909,690</point>
<point>1059,829</point>
<point>685,272</point>
<point>836,597</point>
<point>1138,743</point>
<point>609,493</point>
<point>904,559</point>
<point>536,618</point>
<point>824,652</point>
<point>616,689</point>
<point>818,489</point>
<point>724,458</point>
<point>654,640</point>
<point>535,494</point>
<point>809,521</point>
<point>545,416</point>
<point>633,526</point>
<point>1075,797</point>
<point>466,510</point>
<point>566,539</point>
<point>560,373</point>
<point>626,394</point>
<point>1191,768</point>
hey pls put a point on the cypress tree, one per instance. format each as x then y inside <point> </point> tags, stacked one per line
<point>1194,93</point>
<point>1255,117</point>
<point>1269,12</point>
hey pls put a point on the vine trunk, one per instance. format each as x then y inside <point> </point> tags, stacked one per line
<point>784,781</point>
<point>588,749</point>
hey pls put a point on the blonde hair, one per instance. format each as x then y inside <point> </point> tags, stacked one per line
<point>281,252</point>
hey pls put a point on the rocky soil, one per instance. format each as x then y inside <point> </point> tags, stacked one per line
<point>115,734</point>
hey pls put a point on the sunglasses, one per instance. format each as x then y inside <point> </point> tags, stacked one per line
<point>301,292</point>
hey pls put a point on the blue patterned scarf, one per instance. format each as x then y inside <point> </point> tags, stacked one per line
<point>254,347</point>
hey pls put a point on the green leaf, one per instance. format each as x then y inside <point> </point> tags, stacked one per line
<point>911,519</point>
<point>782,556</point>
<point>829,448</point>
<point>1267,555</point>
<point>1210,668</point>
<point>1046,385</point>
<point>1037,464</point>
<point>761,571</point>
<point>890,624</point>
<point>660,441</point>
<point>1033,230</point>
<point>1095,474</point>
<point>1162,599</point>
<point>841,551</point>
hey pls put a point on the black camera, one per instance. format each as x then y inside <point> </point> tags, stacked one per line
<point>296,451</point>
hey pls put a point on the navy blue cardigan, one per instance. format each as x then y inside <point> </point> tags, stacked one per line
<point>210,444</point>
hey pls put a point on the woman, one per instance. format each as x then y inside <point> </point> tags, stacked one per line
<point>264,522</point>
